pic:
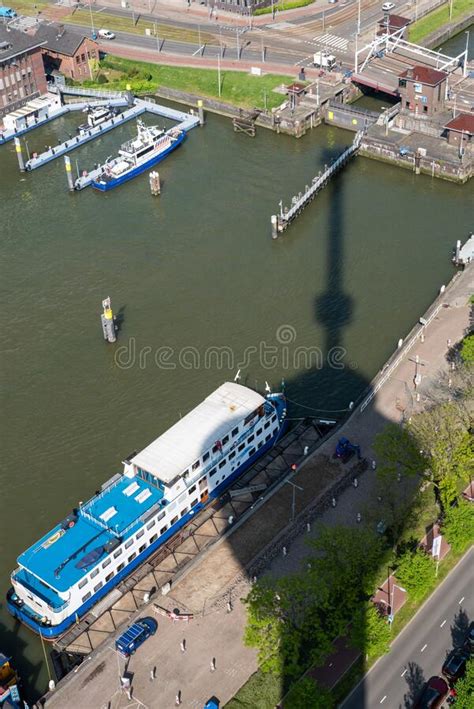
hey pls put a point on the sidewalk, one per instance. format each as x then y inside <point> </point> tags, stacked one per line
<point>219,634</point>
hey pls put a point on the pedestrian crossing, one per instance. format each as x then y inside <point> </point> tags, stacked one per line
<point>332,40</point>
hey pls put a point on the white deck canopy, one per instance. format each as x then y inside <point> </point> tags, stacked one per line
<point>197,432</point>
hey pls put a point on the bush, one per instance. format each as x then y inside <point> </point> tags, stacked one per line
<point>467,350</point>
<point>465,688</point>
<point>371,633</point>
<point>458,525</point>
<point>102,79</point>
<point>291,5</point>
<point>416,571</point>
<point>306,693</point>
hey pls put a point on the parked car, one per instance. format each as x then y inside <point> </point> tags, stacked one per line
<point>454,666</point>
<point>469,641</point>
<point>387,6</point>
<point>433,694</point>
<point>106,34</point>
<point>7,12</point>
<point>135,635</point>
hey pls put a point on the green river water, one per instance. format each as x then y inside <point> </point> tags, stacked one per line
<point>192,269</point>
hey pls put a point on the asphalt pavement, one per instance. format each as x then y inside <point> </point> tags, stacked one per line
<point>418,653</point>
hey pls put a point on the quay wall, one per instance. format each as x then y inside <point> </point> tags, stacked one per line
<point>386,152</point>
<point>447,31</point>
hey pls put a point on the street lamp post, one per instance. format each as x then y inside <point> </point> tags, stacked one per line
<point>219,74</point>
<point>92,19</point>
<point>358,17</point>
<point>464,73</point>
<point>293,499</point>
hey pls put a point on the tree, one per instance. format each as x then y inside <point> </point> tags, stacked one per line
<point>306,694</point>
<point>371,632</point>
<point>398,451</point>
<point>465,688</point>
<point>467,350</point>
<point>458,525</point>
<point>416,571</point>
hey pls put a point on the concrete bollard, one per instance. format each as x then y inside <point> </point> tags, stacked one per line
<point>19,155</point>
<point>201,113</point>
<point>274,221</point>
<point>107,319</point>
<point>70,181</point>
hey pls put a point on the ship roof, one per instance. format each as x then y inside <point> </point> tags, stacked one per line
<point>185,442</point>
<point>118,510</point>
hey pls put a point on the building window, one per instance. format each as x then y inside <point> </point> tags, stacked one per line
<point>232,455</point>
<point>155,536</point>
<point>267,438</point>
<point>235,432</point>
<point>260,444</point>
<point>86,597</point>
<point>120,566</point>
<point>241,447</point>
<point>140,533</point>
<point>83,57</point>
<point>192,489</point>
<point>131,557</point>
<point>222,463</point>
<point>106,563</point>
<point>251,438</point>
<point>78,59</point>
<point>82,583</point>
<point>205,456</point>
<point>109,576</point>
<point>267,424</point>
<point>150,524</point>
<point>128,544</point>
<point>195,465</point>
<point>213,472</point>
<point>142,548</point>
<point>259,431</point>
<point>251,451</point>
<point>203,494</point>
<point>174,520</point>
<point>94,573</point>
<point>98,587</point>
<point>184,511</point>
<point>194,502</point>
<point>117,553</point>
<point>225,440</point>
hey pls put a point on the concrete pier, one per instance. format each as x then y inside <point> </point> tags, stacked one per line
<point>155,186</point>
<point>19,155</point>
<point>70,179</point>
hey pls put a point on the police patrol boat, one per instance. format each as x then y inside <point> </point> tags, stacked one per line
<point>67,571</point>
<point>137,155</point>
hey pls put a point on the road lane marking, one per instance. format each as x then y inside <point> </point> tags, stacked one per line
<point>404,672</point>
<point>424,648</point>
<point>444,621</point>
<point>383,699</point>
<point>462,599</point>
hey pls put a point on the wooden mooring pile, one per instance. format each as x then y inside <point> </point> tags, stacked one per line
<point>281,221</point>
<point>245,122</point>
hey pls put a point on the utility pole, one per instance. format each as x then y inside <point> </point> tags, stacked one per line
<point>92,19</point>
<point>358,17</point>
<point>219,74</point>
<point>238,43</point>
<point>450,10</point>
<point>464,73</point>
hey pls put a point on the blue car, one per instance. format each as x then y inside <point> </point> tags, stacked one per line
<point>135,635</point>
<point>7,12</point>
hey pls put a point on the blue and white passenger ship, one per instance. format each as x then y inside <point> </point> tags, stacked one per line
<point>151,145</point>
<point>161,488</point>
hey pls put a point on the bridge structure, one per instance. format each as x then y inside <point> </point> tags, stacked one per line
<point>379,64</point>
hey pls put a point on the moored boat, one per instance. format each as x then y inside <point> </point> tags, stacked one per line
<point>137,155</point>
<point>68,570</point>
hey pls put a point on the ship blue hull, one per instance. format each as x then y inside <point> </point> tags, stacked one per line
<point>110,184</point>
<point>50,633</point>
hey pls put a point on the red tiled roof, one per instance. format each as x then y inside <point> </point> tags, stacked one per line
<point>463,122</point>
<point>424,74</point>
<point>395,21</point>
<point>296,88</point>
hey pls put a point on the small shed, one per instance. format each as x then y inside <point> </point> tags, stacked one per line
<point>460,129</point>
<point>28,115</point>
<point>394,24</point>
<point>295,93</point>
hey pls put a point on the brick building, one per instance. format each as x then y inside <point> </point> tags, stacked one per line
<point>67,51</point>
<point>461,130</point>
<point>21,69</point>
<point>423,90</point>
<point>394,23</point>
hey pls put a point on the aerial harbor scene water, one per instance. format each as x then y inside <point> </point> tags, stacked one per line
<point>236,355</point>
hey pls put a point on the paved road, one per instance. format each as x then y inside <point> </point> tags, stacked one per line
<point>419,651</point>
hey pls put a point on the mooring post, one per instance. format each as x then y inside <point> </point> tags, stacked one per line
<point>107,319</point>
<point>19,155</point>
<point>155,186</point>
<point>201,113</point>
<point>274,220</point>
<point>70,181</point>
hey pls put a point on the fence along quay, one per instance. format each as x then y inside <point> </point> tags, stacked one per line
<point>281,221</point>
